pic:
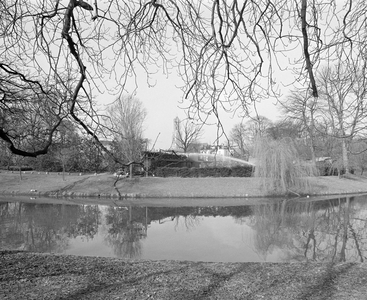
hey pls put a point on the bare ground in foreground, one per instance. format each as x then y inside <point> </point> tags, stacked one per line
<point>43,276</point>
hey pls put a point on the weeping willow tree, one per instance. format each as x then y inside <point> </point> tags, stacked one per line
<point>279,167</point>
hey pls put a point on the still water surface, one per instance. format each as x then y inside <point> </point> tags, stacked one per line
<point>328,230</point>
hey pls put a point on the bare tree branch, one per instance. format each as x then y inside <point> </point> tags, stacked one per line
<point>229,54</point>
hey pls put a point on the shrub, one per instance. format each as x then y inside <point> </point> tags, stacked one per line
<point>22,168</point>
<point>239,171</point>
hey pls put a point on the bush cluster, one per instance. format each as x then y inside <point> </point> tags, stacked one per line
<point>332,171</point>
<point>239,171</point>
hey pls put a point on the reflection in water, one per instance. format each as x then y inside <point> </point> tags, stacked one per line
<point>329,230</point>
<point>333,230</point>
<point>126,229</point>
<point>189,222</point>
<point>44,227</point>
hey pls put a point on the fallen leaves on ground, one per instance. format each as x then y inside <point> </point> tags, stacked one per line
<point>25,275</point>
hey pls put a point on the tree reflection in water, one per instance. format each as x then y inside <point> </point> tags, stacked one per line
<point>285,230</point>
<point>189,222</point>
<point>44,227</point>
<point>331,230</point>
<point>126,230</point>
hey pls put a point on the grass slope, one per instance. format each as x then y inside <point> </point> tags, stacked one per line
<point>102,185</point>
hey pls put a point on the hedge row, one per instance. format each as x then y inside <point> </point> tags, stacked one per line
<point>240,171</point>
<point>22,168</point>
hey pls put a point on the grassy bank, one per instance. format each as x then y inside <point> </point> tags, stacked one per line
<point>105,186</point>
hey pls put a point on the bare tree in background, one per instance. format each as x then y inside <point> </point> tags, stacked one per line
<point>359,154</point>
<point>343,97</point>
<point>239,137</point>
<point>186,134</point>
<point>244,135</point>
<point>258,127</point>
<point>127,116</point>
<point>228,54</point>
<point>303,108</point>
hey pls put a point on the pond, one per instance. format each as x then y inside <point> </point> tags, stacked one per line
<point>280,231</point>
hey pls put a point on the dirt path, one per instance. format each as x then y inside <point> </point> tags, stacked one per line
<point>70,186</point>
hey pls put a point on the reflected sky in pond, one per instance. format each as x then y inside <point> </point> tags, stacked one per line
<point>328,230</point>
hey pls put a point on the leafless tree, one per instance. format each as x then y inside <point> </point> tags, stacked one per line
<point>228,53</point>
<point>29,117</point>
<point>258,127</point>
<point>359,154</point>
<point>303,108</point>
<point>127,115</point>
<point>239,138</point>
<point>343,98</point>
<point>186,134</point>
<point>244,135</point>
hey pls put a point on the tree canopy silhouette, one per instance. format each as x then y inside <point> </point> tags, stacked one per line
<point>62,56</point>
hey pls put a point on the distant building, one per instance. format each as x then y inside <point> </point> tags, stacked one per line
<point>221,150</point>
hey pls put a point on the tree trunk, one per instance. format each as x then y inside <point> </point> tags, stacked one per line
<point>345,156</point>
<point>312,142</point>
<point>63,170</point>
<point>342,256</point>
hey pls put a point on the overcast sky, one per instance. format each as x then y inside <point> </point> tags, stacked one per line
<point>162,103</point>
